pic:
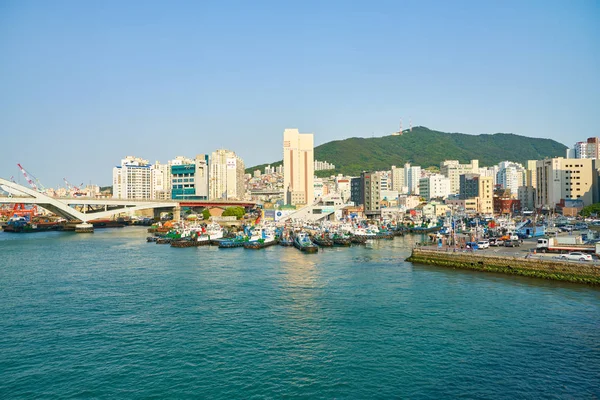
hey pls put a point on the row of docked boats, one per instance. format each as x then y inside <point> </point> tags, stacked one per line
<point>305,238</point>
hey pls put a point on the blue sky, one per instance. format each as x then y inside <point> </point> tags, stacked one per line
<point>85,83</point>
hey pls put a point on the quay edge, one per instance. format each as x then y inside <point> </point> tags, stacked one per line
<point>84,228</point>
<point>546,269</point>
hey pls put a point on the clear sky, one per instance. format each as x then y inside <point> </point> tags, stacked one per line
<point>85,83</point>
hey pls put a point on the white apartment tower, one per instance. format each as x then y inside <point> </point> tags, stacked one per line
<point>511,176</point>
<point>226,176</point>
<point>412,175</point>
<point>160,181</point>
<point>298,167</point>
<point>132,179</point>
<point>434,186</point>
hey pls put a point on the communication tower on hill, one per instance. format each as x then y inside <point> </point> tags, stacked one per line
<point>399,133</point>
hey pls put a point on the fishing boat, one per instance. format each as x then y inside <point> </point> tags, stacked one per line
<point>342,239</point>
<point>361,235</point>
<point>231,243</point>
<point>303,243</point>
<point>261,239</point>
<point>322,240</point>
<point>425,227</point>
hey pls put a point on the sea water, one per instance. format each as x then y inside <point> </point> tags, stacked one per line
<point>107,315</point>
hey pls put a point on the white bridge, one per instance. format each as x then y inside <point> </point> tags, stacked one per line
<point>77,208</point>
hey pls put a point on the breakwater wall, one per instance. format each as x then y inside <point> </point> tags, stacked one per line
<point>538,268</point>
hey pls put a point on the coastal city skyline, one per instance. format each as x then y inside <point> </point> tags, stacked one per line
<point>315,199</point>
<point>86,84</point>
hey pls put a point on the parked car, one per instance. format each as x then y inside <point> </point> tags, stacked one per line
<point>496,242</point>
<point>472,245</point>
<point>577,256</point>
<point>483,244</point>
<point>512,243</point>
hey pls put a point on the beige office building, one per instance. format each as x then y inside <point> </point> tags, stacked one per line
<point>563,178</point>
<point>298,167</point>
<point>485,199</point>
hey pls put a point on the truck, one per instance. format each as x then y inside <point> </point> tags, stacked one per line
<point>566,245</point>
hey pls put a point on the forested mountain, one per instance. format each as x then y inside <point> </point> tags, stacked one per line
<point>426,148</point>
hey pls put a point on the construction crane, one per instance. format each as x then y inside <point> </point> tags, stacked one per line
<point>32,180</point>
<point>69,186</point>
<point>19,209</point>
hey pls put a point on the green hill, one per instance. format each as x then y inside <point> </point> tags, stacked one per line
<point>428,148</point>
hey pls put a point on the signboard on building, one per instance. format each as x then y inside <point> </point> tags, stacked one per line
<point>231,163</point>
<point>280,214</point>
<point>269,215</point>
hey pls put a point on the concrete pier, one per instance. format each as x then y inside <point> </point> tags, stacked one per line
<point>578,272</point>
<point>84,228</point>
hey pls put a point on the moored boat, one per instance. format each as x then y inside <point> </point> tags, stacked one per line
<point>342,240</point>
<point>322,240</point>
<point>260,243</point>
<point>230,243</point>
<point>261,238</point>
<point>303,243</point>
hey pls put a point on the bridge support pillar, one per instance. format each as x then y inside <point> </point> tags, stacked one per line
<point>176,213</point>
<point>84,228</point>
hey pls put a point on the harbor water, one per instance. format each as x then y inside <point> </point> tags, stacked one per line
<point>107,315</point>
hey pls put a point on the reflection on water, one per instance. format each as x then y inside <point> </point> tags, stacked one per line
<point>119,314</point>
<point>299,269</point>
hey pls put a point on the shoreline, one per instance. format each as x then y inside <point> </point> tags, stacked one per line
<point>586,273</point>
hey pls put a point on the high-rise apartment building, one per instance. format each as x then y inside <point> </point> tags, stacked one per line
<point>412,175</point>
<point>478,188</point>
<point>510,176</point>
<point>434,186</point>
<point>563,178</point>
<point>132,179</point>
<point>371,182</point>
<point>356,191</point>
<point>530,178</point>
<point>485,198</point>
<point>323,166</point>
<point>588,149</point>
<point>397,179</point>
<point>452,169</point>
<point>160,181</point>
<point>298,166</point>
<point>469,186</point>
<point>226,176</point>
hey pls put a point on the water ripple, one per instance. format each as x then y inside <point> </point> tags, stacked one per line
<point>110,316</point>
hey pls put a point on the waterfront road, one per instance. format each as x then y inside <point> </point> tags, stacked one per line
<point>525,250</point>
